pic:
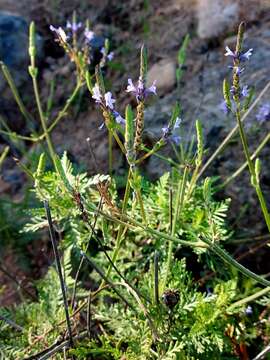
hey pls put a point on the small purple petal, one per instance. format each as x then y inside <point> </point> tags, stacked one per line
<point>176,139</point>
<point>73,26</point>
<point>101,126</point>
<point>60,33</point>
<point>110,56</point>
<point>263,113</point>
<point>246,55</point>
<point>89,35</point>
<point>229,52</point>
<point>97,94</point>
<point>249,310</point>
<point>245,91</point>
<point>109,100</point>
<point>131,87</point>
<point>103,51</point>
<point>152,89</point>
<point>223,107</point>
<point>118,118</point>
<point>177,123</point>
<point>165,131</point>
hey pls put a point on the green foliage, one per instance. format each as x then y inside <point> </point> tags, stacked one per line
<point>194,329</point>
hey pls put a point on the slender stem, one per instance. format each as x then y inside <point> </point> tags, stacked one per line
<point>228,259</point>
<point>107,280</point>
<point>204,244</point>
<point>63,111</point>
<point>249,298</point>
<point>156,285</point>
<point>178,206</point>
<point>119,142</point>
<point>42,118</point>
<point>242,168</point>
<point>29,119</point>
<point>59,269</point>
<point>110,137</point>
<point>140,200</point>
<point>121,228</point>
<point>252,170</point>
<point>232,132</point>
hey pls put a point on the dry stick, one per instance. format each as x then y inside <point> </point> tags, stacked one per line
<point>55,348</point>
<point>62,322</point>
<point>232,132</point>
<point>107,280</point>
<point>88,319</point>
<point>58,264</point>
<point>156,278</point>
<point>262,354</point>
<point>82,259</point>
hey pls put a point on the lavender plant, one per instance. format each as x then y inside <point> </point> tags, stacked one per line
<point>143,302</point>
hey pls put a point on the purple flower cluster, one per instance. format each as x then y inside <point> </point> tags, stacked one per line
<point>240,56</point>
<point>168,132</point>
<point>140,91</point>
<point>109,56</point>
<point>60,33</point>
<point>107,101</point>
<point>74,27</point>
<point>263,113</point>
<point>244,91</point>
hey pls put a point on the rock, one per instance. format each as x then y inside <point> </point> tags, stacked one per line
<point>216,17</point>
<point>164,73</point>
<point>14,47</point>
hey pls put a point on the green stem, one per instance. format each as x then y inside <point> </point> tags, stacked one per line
<point>16,95</point>
<point>232,132</point>
<point>252,170</point>
<point>178,207</point>
<point>42,119</point>
<point>242,168</point>
<point>110,137</point>
<point>228,259</point>
<point>140,200</point>
<point>121,228</point>
<point>249,298</point>
<point>119,142</point>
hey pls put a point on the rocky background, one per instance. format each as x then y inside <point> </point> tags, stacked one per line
<point>162,26</point>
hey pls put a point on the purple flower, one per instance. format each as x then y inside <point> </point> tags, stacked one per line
<point>249,310</point>
<point>118,118</point>
<point>263,113</point>
<point>109,56</point>
<point>62,36</point>
<point>168,132</point>
<point>245,91</point>
<point>109,100</point>
<point>229,52</point>
<point>177,123</point>
<point>89,35</point>
<point>176,139</point>
<point>242,56</point>
<point>73,26</point>
<point>97,94</point>
<point>224,107</point>
<point>140,91</point>
<point>246,55</point>
<point>238,69</point>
